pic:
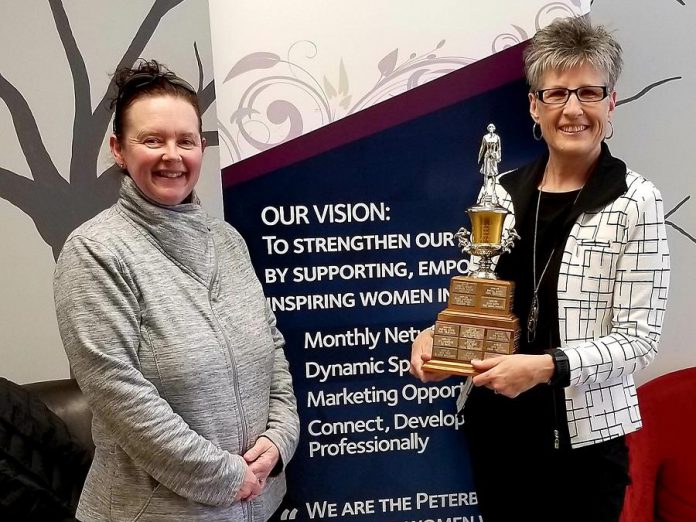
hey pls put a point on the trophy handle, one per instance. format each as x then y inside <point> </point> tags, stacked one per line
<point>464,237</point>
<point>509,238</point>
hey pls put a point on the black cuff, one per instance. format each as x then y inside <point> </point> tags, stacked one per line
<point>561,368</point>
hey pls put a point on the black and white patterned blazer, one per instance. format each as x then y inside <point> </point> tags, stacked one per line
<point>612,292</point>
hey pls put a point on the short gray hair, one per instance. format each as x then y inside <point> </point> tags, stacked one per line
<point>569,43</point>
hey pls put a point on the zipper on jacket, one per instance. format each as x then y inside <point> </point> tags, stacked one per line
<point>237,394</point>
<point>556,438</point>
<point>247,510</point>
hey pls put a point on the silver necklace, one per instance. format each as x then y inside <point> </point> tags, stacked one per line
<point>533,318</point>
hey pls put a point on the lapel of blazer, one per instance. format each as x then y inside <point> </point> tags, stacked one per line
<point>606,183</point>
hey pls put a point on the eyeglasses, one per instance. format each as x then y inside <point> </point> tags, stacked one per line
<point>142,79</point>
<point>561,95</point>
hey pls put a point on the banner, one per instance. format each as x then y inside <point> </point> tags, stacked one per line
<point>355,248</point>
<point>350,226</point>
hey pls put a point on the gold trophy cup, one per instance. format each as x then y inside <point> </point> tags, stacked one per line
<point>478,322</point>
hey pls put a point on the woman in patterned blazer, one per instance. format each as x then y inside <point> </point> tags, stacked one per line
<point>546,425</point>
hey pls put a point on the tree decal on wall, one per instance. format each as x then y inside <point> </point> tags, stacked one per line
<point>56,205</point>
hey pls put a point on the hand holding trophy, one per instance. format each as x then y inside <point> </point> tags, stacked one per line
<point>478,322</point>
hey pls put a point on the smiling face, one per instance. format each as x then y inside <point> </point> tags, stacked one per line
<point>161,147</point>
<point>575,129</point>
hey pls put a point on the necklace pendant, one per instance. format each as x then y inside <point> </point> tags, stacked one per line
<point>532,319</point>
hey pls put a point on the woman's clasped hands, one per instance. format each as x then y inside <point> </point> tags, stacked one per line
<point>260,460</point>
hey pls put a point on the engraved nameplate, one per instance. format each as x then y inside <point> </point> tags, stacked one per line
<point>446,329</point>
<point>462,287</point>
<point>495,291</point>
<point>493,303</point>
<point>472,332</point>
<point>471,344</point>
<point>463,299</point>
<point>498,335</point>
<point>443,352</point>
<point>467,355</point>
<point>502,348</point>
<point>443,340</point>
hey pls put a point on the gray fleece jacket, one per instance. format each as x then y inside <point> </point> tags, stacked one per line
<point>169,337</point>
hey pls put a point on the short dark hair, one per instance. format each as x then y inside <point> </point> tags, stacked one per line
<point>148,78</point>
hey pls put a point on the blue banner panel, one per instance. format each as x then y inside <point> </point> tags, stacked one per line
<point>355,249</point>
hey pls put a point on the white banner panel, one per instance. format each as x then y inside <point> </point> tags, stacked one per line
<point>283,69</point>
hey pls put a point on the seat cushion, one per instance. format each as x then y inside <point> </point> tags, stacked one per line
<point>42,465</point>
<point>662,457</point>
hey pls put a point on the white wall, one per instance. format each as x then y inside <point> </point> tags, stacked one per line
<point>283,69</point>
<point>33,60</point>
<point>655,136</point>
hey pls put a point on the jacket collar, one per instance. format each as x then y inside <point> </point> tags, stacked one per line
<point>606,183</point>
<point>181,231</point>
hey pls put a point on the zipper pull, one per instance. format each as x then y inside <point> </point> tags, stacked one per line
<point>556,442</point>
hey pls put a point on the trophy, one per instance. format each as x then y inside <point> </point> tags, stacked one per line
<point>478,322</point>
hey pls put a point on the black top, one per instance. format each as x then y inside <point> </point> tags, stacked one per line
<point>530,419</point>
<point>554,208</point>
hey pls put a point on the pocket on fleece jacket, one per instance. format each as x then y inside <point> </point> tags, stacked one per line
<point>132,488</point>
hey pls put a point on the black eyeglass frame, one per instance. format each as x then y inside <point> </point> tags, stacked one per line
<point>540,94</point>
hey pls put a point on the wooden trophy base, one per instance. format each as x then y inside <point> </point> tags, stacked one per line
<point>450,368</point>
<point>477,324</point>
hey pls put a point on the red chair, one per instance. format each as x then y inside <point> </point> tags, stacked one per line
<point>663,453</point>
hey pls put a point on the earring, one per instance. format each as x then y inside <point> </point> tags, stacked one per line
<point>536,131</point>
<point>612,131</point>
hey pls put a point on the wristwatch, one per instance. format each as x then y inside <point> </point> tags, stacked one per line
<point>561,368</point>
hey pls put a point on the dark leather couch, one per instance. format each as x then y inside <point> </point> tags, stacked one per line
<point>45,450</point>
<point>64,398</point>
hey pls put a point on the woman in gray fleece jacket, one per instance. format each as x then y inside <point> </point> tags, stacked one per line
<point>168,333</point>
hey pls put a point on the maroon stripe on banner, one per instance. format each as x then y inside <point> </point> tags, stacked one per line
<point>484,75</point>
